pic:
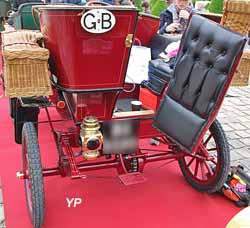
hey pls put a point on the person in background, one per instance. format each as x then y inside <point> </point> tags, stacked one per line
<point>174,19</point>
<point>145,7</point>
<point>123,2</point>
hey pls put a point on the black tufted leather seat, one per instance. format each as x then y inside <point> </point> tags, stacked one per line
<point>159,74</point>
<point>202,74</point>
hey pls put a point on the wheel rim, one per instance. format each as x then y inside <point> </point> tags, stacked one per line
<point>27,184</point>
<point>203,167</point>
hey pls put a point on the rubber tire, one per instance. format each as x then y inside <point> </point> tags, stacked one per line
<point>224,152</point>
<point>29,137</point>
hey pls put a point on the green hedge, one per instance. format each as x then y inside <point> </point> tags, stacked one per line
<point>216,6</point>
<point>157,6</point>
<point>138,4</point>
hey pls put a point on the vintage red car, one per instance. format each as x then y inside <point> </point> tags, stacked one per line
<point>89,53</point>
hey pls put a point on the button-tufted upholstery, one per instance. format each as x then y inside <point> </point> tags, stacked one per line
<point>202,73</point>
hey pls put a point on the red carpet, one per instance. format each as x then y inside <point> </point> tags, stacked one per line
<point>165,200</point>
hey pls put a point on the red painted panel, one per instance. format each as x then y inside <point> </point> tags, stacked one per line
<point>146,129</point>
<point>130,91</point>
<point>149,100</point>
<point>146,28</point>
<point>99,104</point>
<point>83,60</point>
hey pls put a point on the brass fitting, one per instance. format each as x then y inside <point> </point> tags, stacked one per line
<point>91,137</point>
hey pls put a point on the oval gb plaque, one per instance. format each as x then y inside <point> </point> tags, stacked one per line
<point>98,21</point>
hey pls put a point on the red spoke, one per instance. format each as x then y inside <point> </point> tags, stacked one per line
<point>214,162</point>
<point>190,162</point>
<point>207,140</point>
<point>208,169</point>
<point>203,151</point>
<point>203,164</point>
<point>196,168</point>
<point>203,172</point>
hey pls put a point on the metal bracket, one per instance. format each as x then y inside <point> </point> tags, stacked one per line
<point>75,173</point>
<point>35,102</point>
<point>129,40</point>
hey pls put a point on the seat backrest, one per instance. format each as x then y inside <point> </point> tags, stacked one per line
<point>24,18</point>
<point>17,3</point>
<point>204,68</point>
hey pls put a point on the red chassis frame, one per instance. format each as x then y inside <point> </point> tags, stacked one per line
<point>67,140</point>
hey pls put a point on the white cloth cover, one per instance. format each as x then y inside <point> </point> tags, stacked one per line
<point>138,64</point>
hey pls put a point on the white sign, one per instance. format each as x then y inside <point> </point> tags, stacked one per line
<point>98,21</point>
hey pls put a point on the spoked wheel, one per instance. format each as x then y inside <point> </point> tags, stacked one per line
<point>207,171</point>
<point>32,169</point>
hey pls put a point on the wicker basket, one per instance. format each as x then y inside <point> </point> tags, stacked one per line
<point>236,16</point>
<point>241,77</point>
<point>25,65</point>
